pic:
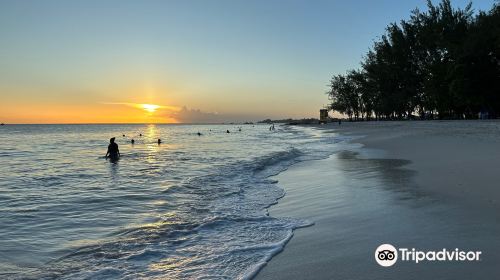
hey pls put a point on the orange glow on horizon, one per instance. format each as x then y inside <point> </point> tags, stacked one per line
<point>90,113</point>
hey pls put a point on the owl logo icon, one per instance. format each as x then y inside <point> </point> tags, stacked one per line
<point>386,255</point>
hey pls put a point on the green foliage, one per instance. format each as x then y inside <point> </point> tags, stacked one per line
<point>442,63</point>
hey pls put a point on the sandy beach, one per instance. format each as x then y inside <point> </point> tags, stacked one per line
<point>426,185</point>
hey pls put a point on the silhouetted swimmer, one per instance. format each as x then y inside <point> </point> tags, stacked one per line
<point>123,135</point>
<point>113,152</point>
<point>140,134</point>
<point>132,141</point>
<point>227,131</point>
<point>239,129</point>
<point>159,141</point>
<point>199,134</point>
<point>340,121</point>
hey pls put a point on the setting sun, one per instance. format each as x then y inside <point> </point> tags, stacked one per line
<point>150,107</point>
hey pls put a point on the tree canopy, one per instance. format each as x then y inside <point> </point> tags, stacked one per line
<point>442,63</point>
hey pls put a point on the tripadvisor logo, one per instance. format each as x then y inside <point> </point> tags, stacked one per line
<point>387,255</point>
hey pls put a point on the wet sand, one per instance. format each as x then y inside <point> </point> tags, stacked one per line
<point>424,185</point>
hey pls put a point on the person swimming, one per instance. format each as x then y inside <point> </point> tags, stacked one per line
<point>132,141</point>
<point>227,131</point>
<point>140,134</point>
<point>159,141</point>
<point>199,134</point>
<point>113,152</point>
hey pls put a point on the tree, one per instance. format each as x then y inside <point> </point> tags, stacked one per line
<point>443,63</point>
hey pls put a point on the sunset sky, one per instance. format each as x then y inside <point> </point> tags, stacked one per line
<point>194,61</point>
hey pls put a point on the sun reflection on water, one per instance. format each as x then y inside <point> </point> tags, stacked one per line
<point>152,145</point>
<point>152,132</point>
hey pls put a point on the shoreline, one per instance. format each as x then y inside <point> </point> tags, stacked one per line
<point>436,178</point>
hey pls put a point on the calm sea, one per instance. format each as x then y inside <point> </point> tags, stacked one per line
<point>192,207</point>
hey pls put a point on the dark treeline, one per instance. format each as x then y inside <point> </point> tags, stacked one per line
<point>443,63</point>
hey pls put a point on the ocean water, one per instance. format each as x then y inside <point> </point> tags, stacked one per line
<point>194,207</point>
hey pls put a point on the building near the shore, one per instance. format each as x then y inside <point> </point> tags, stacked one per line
<point>323,115</point>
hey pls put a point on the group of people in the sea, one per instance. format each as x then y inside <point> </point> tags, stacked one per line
<point>113,153</point>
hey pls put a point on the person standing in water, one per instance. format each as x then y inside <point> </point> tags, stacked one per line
<point>113,152</point>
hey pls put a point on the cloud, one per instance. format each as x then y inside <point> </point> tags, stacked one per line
<point>187,115</point>
<point>142,106</point>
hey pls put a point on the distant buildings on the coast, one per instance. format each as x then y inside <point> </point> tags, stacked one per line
<point>292,121</point>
